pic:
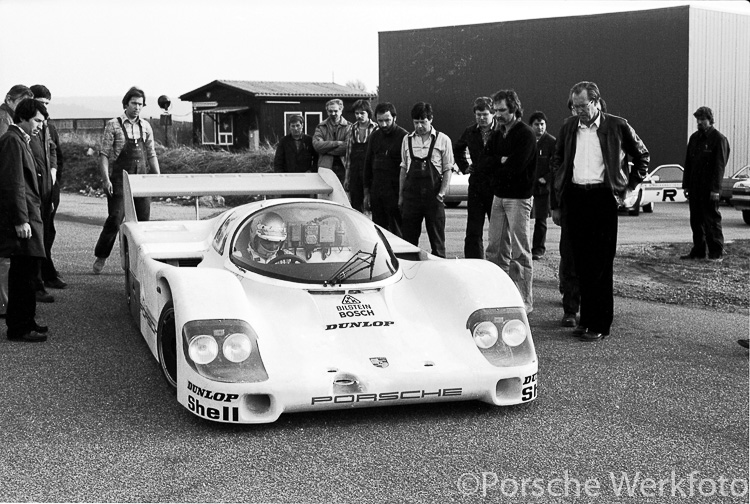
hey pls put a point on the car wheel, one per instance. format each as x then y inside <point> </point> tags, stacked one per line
<point>746,216</point>
<point>648,208</point>
<point>166,340</point>
<point>452,204</point>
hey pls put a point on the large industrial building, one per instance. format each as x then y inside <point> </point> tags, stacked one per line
<point>653,67</point>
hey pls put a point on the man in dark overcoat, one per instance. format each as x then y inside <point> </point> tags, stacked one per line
<point>21,228</point>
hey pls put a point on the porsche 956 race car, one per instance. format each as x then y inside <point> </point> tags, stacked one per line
<point>303,304</point>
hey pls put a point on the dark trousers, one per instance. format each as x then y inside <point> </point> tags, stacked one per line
<point>116,213</point>
<point>49,272</point>
<point>424,207</point>
<point>705,222</point>
<point>540,213</point>
<point>571,294</point>
<point>479,205</point>
<point>384,202</point>
<point>356,189</point>
<point>591,219</point>
<point>21,294</point>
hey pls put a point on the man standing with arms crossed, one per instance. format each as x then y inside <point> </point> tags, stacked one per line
<point>383,169</point>
<point>707,156</point>
<point>330,139</point>
<point>591,181</point>
<point>479,204</point>
<point>127,144</point>
<point>426,163</point>
<point>545,144</point>
<point>513,151</point>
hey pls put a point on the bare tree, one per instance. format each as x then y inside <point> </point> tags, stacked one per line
<point>356,84</point>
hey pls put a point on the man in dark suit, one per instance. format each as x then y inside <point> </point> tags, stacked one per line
<point>545,145</point>
<point>590,183</point>
<point>21,228</point>
<point>295,152</point>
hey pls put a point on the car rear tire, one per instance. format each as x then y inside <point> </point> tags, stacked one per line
<point>452,204</point>
<point>166,340</point>
<point>746,216</point>
<point>648,208</point>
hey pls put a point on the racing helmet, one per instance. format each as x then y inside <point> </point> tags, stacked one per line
<point>271,228</point>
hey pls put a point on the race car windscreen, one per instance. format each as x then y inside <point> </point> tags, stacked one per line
<point>313,242</point>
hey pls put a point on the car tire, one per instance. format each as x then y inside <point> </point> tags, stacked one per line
<point>452,204</point>
<point>648,208</point>
<point>166,342</point>
<point>746,216</point>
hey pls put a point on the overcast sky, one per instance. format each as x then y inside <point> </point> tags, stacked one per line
<point>102,47</point>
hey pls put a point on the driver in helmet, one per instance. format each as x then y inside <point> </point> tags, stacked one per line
<point>270,235</point>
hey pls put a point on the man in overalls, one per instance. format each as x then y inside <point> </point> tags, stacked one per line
<point>356,149</point>
<point>426,162</point>
<point>130,142</point>
<point>383,169</point>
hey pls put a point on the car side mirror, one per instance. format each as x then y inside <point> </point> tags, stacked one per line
<point>655,178</point>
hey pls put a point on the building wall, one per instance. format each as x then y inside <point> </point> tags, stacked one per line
<point>638,59</point>
<point>720,78</point>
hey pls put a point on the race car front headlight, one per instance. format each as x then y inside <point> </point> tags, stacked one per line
<point>485,334</point>
<point>237,347</point>
<point>514,332</point>
<point>223,350</point>
<point>502,335</point>
<point>203,349</point>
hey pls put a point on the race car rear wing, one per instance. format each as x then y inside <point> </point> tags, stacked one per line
<point>325,184</point>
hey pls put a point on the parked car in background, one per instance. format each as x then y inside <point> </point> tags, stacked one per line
<point>662,185</point>
<point>728,183</point>
<point>458,189</point>
<point>740,199</point>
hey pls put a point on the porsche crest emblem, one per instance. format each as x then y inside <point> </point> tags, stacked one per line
<point>380,362</point>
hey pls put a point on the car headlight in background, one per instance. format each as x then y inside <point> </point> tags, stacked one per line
<point>224,350</point>
<point>502,335</point>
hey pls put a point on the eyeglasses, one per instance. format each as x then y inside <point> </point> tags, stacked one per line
<point>581,107</point>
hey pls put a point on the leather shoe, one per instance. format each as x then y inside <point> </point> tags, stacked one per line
<point>716,259</point>
<point>568,320</point>
<point>56,283</point>
<point>43,296</point>
<point>579,330</point>
<point>744,342</point>
<point>592,336</point>
<point>31,336</point>
<point>691,257</point>
<point>99,265</point>
<point>41,329</point>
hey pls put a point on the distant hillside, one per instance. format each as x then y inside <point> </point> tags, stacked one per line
<point>91,107</point>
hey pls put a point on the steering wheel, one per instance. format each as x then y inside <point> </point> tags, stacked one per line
<point>286,259</point>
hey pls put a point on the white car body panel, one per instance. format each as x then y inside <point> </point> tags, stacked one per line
<point>397,340</point>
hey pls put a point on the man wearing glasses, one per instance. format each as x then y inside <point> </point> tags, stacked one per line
<point>591,181</point>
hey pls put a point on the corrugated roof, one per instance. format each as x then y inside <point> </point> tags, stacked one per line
<point>270,89</point>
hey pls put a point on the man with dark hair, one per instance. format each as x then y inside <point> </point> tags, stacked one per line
<point>479,204</point>
<point>383,168</point>
<point>706,159</point>
<point>50,275</point>
<point>330,139</point>
<point>512,152</point>
<point>14,96</point>
<point>545,144</point>
<point>356,150</point>
<point>590,183</point>
<point>426,162</point>
<point>295,152</point>
<point>21,228</point>
<point>46,166</point>
<point>128,141</point>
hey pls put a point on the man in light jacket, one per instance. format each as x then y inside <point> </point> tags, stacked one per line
<point>330,139</point>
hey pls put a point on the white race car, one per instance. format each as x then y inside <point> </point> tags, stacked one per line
<point>303,304</point>
<point>662,185</point>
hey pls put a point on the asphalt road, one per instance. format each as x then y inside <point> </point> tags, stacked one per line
<point>656,413</point>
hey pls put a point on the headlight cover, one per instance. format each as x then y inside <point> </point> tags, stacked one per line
<point>224,350</point>
<point>511,344</point>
